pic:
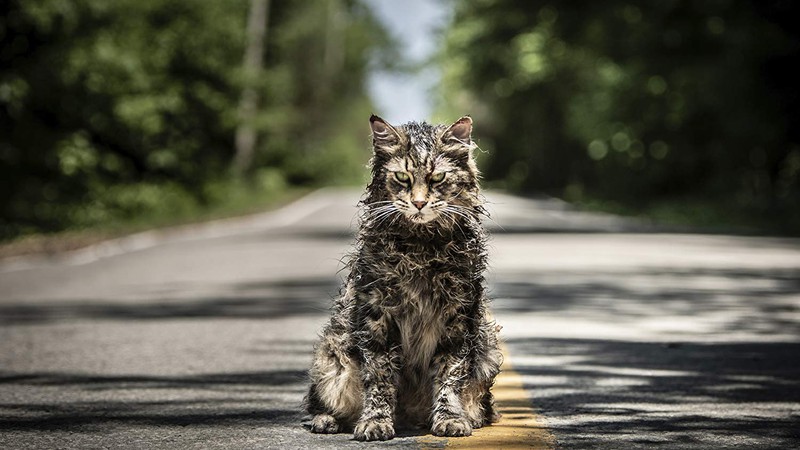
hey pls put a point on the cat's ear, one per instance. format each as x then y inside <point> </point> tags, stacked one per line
<point>459,132</point>
<point>384,136</point>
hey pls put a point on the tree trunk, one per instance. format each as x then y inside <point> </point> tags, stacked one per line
<point>246,135</point>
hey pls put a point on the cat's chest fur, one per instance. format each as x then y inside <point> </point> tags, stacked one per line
<point>422,283</point>
<point>420,324</point>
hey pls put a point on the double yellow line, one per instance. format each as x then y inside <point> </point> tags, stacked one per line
<point>519,427</point>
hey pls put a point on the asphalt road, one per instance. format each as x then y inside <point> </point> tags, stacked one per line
<point>623,337</point>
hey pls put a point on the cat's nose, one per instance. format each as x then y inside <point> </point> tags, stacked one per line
<point>420,205</point>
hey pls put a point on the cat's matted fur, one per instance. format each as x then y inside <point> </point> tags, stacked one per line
<point>411,339</point>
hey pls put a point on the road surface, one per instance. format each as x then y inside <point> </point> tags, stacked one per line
<point>618,336</point>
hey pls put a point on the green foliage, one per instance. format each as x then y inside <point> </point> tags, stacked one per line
<point>111,110</point>
<point>631,102</point>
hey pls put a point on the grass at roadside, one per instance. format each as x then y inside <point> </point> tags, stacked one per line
<point>239,202</point>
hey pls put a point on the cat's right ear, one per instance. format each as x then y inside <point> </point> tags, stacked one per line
<point>384,136</point>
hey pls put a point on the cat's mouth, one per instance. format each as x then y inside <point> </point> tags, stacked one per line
<point>419,217</point>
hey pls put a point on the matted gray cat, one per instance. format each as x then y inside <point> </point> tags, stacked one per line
<point>411,340</point>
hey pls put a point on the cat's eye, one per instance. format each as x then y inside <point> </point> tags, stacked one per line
<point>402,177</point>
<point>437,177</point>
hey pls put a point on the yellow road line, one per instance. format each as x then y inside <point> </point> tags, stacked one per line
<point>519,428</point>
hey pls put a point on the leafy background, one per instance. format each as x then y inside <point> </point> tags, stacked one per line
<point>126,111</point>
<point>683,110</point>
<point>111,111</point>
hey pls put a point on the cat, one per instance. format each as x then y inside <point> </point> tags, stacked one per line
<point>410,340</point>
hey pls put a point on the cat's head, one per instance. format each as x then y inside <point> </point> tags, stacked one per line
<point>422,173</point>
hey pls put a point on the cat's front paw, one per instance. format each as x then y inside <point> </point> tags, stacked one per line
<point>374,430</point>
<point>324,423</point>
<point>455,426</point>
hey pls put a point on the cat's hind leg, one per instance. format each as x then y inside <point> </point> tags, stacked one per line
<point>324,423</point>
<point>477,398</point>
<point>476,403</point>
<point>335,395</point>
<point>479,405</point>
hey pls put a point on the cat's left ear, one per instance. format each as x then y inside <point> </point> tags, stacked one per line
<point>460,132</point>
<point>384,136</point>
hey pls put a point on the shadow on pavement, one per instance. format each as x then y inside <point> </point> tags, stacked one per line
<point>242,404</point>
<point>702,300</point>
<point>248,300</point>
<point>663,389</point>
<point>615,394</point>
<point>101,403</point>
<point>693,358</point>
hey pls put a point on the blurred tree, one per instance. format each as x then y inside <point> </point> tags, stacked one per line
<point>632,102</point>
<point>109,110</point>
<point>318,57</point>
<point>248,104</point>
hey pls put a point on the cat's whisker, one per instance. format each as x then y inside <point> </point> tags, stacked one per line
<point>374,207</point>
<point>382,213</point>
<point>465,215</point>
<point>455,222</point>
<point>448,216</point>
<point>380,210</point>
<point>373,211</point>
<point>482,212</point>
<point>468,218</point>
<point>377,213</point>
<point>390,217</point>
<point>382,218</point>
<point>395,219</point>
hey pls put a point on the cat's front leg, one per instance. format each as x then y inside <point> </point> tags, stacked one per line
<point>449,418</point>
<point>379,376</point>
<point>380,398</point>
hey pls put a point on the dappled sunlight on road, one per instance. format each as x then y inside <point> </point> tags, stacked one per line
<point>649,287</point>
<point>643,340</point>
<point>616,339</point>
<point>638,394</point>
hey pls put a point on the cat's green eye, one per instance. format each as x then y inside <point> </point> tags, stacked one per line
<point>402,177</point>
<point>437,177</point>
